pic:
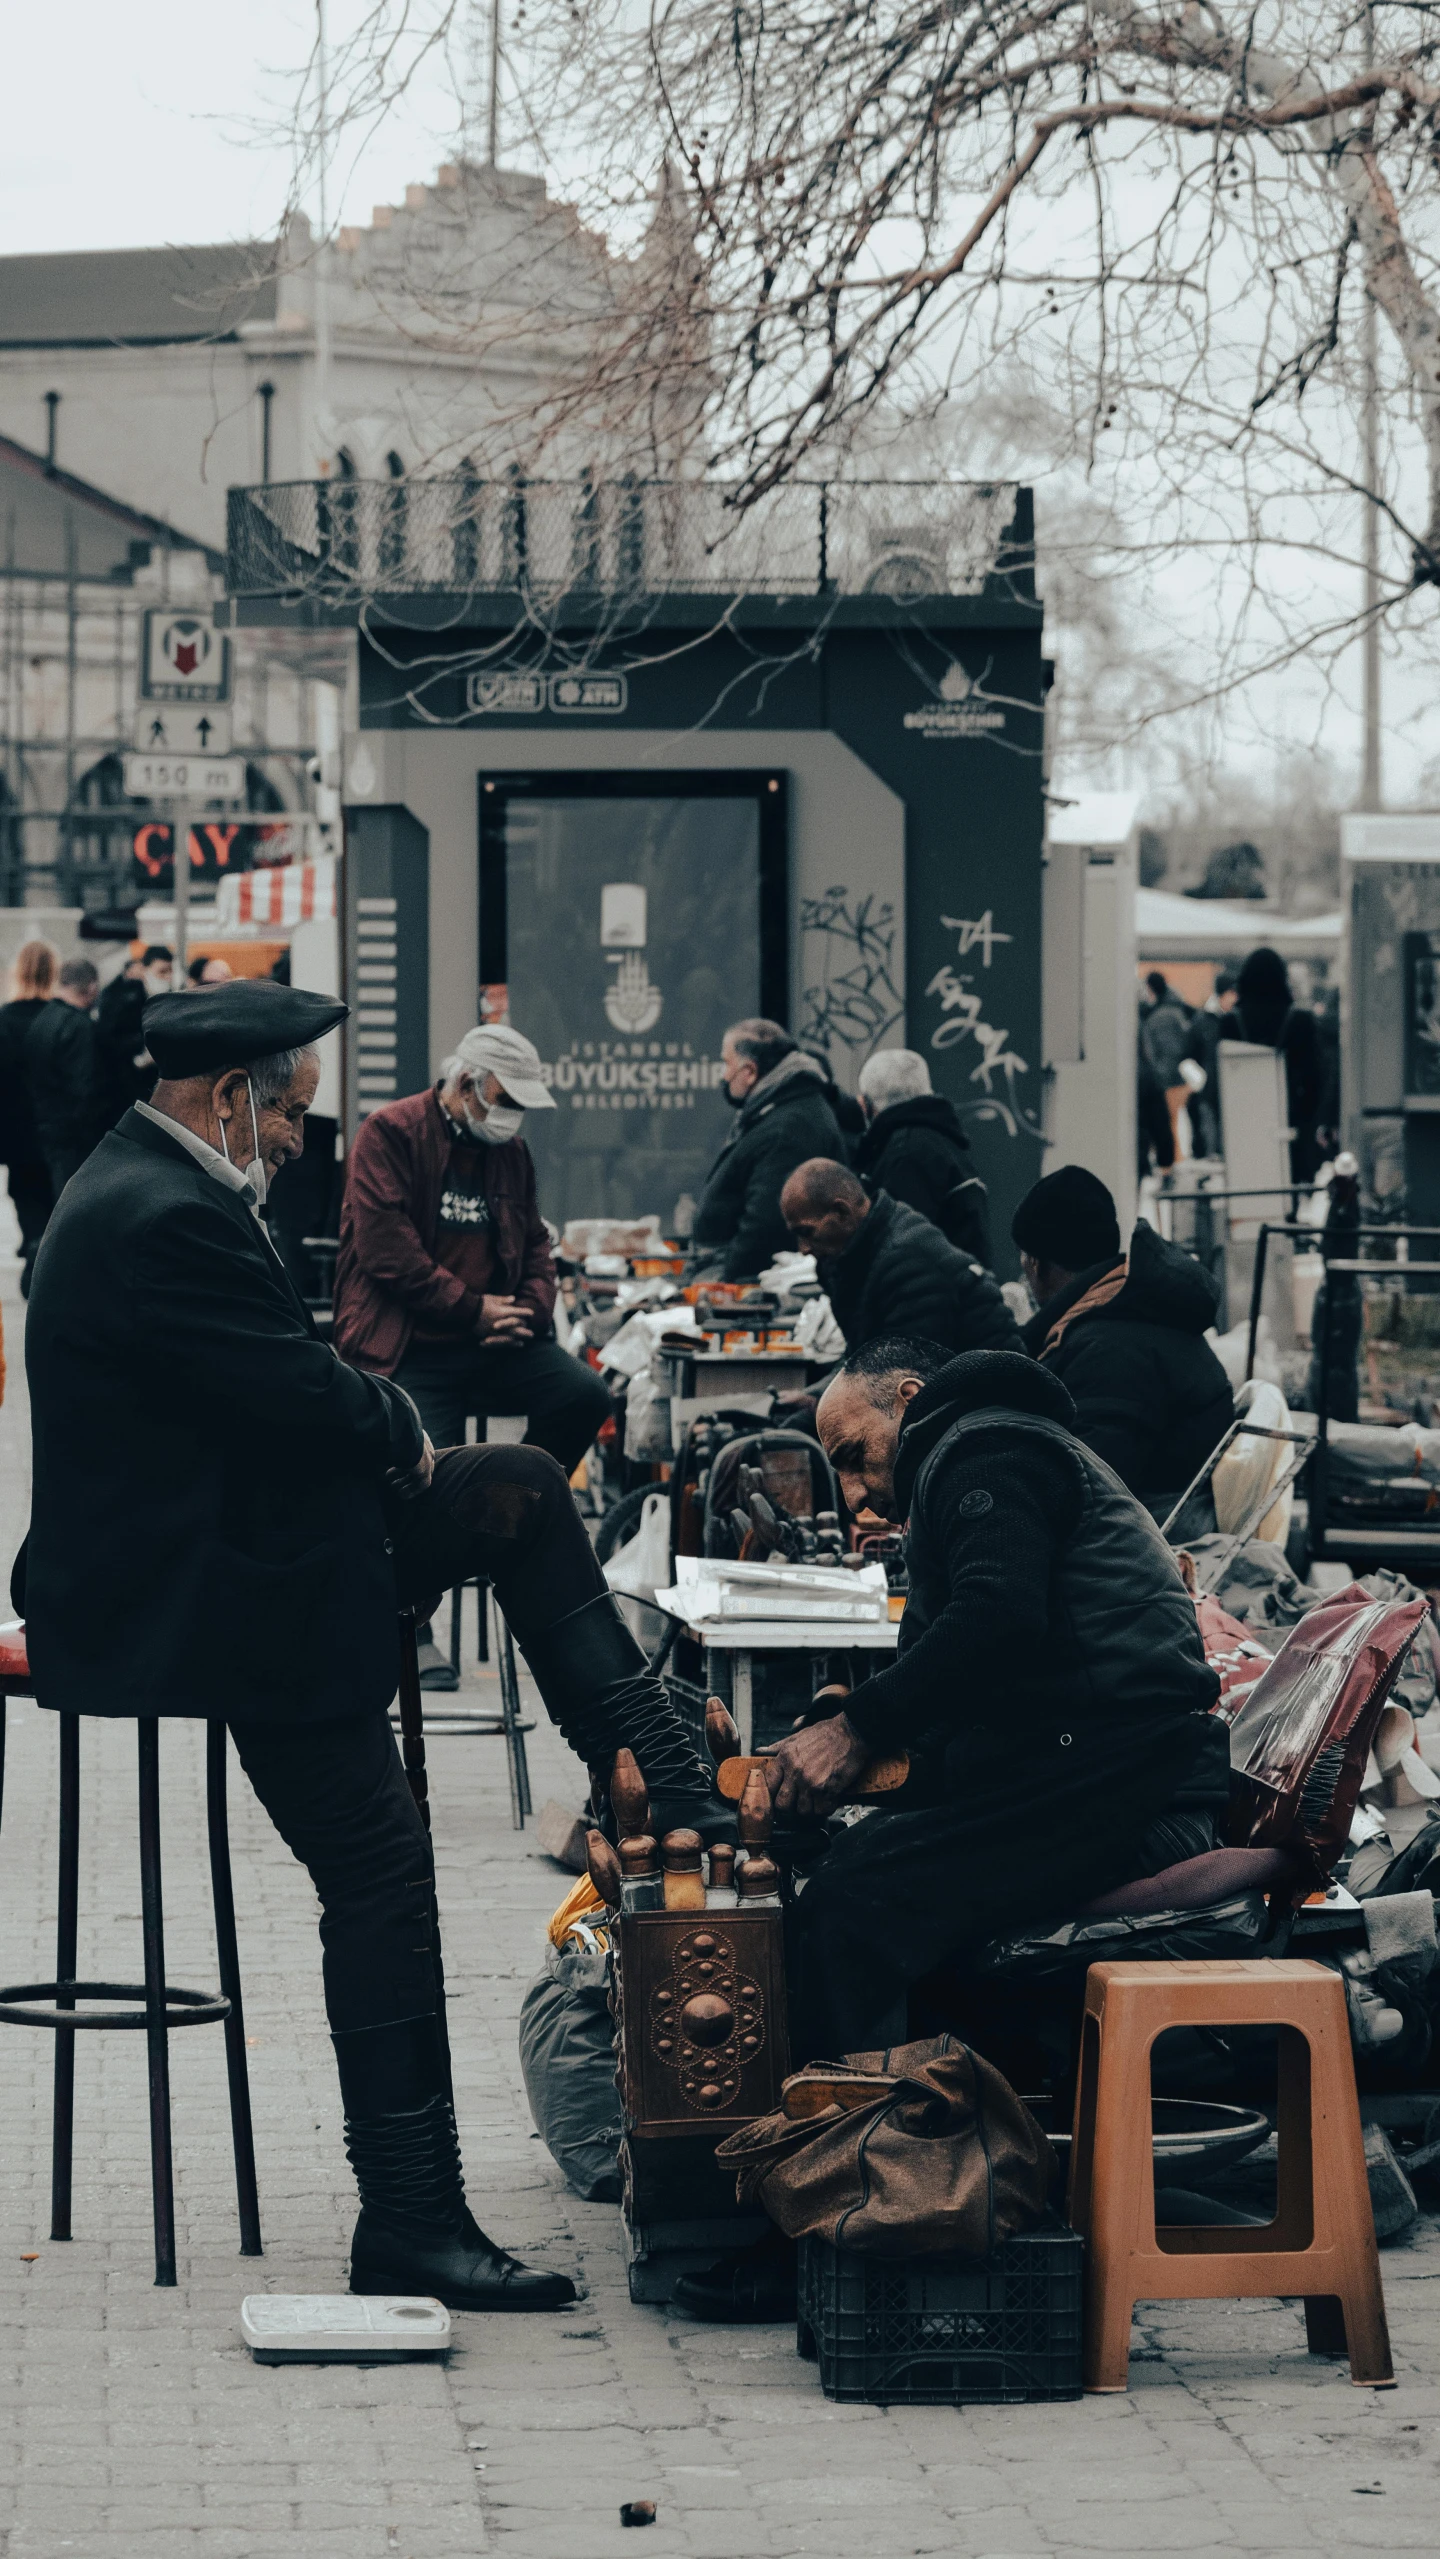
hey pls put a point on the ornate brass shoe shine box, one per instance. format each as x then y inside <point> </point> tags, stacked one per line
<point>701,2004</point>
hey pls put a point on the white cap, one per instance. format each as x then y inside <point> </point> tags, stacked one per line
<point>495,1049</point>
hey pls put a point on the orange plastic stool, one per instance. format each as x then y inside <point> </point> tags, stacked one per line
<point>1321,2244</point>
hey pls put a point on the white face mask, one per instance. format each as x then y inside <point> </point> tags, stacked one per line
<point>501,1122</point>
<point>255,1173</point>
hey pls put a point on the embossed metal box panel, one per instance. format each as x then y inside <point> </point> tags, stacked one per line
<point>703,2031</point>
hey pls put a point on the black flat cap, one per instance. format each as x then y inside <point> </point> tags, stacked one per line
<point>220,1026</point>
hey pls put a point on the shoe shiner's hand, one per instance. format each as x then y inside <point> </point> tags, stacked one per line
<point>808,1773</point>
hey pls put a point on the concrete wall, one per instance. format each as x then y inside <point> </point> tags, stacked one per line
<point>847,843</point>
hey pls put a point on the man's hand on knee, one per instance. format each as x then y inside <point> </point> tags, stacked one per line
<point>420,1475</point>
<point>809,1773</point>
<point>502,1320</point>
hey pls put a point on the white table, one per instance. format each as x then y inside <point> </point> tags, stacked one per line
<point>742,1638</point>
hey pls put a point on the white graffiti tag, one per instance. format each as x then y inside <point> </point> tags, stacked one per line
<point>962,1009</point>
<point>977,934</point>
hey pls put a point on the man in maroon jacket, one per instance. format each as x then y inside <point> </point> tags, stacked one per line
<point>444,1279</point>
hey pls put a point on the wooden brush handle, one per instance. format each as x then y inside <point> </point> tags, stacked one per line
<point>879,1777</point>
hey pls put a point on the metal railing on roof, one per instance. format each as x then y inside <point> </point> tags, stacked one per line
<point>610,541</point>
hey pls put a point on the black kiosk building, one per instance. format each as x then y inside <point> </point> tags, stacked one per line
<point>629,765</point>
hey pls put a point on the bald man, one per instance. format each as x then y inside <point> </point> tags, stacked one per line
<point>886,1269</point>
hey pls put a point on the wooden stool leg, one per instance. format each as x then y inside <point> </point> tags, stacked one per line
<point>1342,2210</point>
<point>222,1894</point>
<point>62,2136</point>
<point>1121,2207</point>
<point>152,1914</point>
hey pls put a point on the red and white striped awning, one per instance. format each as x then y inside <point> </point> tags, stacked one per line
<point>300,893</point>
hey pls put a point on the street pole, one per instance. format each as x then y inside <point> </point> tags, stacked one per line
<point>320,285</point>
<point>1370,783</point>
<point>180,838</point>
<point>493,137</point>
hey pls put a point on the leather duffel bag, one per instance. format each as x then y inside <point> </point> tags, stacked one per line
<point>941,2159</point>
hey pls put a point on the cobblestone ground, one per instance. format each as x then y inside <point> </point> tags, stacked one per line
<point>133,2424</point>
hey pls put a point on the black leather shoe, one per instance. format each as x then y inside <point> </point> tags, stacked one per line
<point>466,2271</point>
<point>747,2287</point>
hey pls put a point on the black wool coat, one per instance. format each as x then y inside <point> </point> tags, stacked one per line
<point>900,1276</point>
<point>785,1120</point>
<point>1150,1396</point>
<point>918,1151</point>
<point>206,1535</point>
<point>65,1076</point>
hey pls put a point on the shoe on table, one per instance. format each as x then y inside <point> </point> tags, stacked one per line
<point>746,2287</point>
<point>462,2268</point>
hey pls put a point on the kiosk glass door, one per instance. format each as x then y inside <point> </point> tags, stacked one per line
<point>629,922</point>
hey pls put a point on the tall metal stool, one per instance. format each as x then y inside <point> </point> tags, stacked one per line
<point>465,1721</point>
<point>55,2004</point>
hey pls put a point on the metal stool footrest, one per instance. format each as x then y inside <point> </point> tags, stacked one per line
<point>182,2007</point>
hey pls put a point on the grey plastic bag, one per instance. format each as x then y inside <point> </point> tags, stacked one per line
<point>567,2056</point>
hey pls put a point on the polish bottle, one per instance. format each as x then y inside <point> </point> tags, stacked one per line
<point>641,1883</point>
<point>757,1883</point>
<point>720,1893</point>
<point>628,1799</point>
<point>755,1819</point>
<point>603,1868</point>
<point>680,1852</point>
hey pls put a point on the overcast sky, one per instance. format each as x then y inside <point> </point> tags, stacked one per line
<point>166,122</point>
<point>159,121</point>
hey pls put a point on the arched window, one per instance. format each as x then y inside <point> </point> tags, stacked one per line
<point>394,523</point>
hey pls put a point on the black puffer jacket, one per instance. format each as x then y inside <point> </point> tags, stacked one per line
<point>900,1276</point>
<point>919,1152</point>
<point>1150,1396</point>
<point>784,1121</point>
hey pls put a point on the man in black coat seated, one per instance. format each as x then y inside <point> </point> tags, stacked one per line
<point>1050,1687</point>
<point>886,1269</point>
<point>1126,1335</point>
<point>779,1091</point>
<point>226,1521</point>
<point>916,1149</point>
<point>1050,1674</point>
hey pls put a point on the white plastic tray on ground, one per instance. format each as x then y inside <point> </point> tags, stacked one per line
<point>343,2327</point>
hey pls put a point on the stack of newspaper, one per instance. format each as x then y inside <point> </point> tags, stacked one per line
<point>707,1588</point>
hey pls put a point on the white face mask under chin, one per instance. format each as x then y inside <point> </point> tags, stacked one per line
<point>255,1173</point>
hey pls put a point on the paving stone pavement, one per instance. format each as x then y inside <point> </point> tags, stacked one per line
<point>134,2426</point>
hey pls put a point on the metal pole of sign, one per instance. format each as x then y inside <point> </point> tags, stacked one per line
<point>180,839</point>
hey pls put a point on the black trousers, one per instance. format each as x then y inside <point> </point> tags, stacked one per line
<point>903,1894</point>
<point>32,1200</point>
<point>564,1401</point>
<point>337,1792</point>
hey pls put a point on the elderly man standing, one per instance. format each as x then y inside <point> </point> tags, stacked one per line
<point>444,1279</point>
<point>778,1091</point>
<point>226,1521</point>
<point>915,1147</point>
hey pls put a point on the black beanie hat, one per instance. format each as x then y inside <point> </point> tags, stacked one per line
<point>1068,1219</point>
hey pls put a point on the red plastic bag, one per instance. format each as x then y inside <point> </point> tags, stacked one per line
<point>1232,1652</point>
<point>1300,1739</point>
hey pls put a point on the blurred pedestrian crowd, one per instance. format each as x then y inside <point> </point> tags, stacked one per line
<point>1178,1105</point>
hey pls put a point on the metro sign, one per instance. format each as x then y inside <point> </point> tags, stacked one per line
<point>184,658</point>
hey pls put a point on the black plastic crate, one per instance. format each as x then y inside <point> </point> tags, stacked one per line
<point>944,2330</point>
